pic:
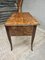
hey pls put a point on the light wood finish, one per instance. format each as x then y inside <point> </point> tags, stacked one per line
<point>18,19</point>
<point>21,24</point>
<point>19,5</point>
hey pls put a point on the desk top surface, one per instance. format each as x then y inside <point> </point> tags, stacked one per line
<point>18,19</point>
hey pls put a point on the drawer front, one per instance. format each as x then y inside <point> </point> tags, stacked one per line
<point>20,31</point>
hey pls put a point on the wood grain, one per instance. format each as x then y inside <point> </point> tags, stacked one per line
<point>21,24</point>
<point>21,30</point>
<point>19,5</point>
<point>18,19</point>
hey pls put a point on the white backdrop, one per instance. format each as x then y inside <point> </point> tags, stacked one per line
<point>37,9</point>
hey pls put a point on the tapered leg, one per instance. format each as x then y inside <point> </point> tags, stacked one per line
<point>8,34</point>
<point>33,36</point>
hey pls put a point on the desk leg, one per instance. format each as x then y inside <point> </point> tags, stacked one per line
<point>33,35</point>
<point>8,34</point>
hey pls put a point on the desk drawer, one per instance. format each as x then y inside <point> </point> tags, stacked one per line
<point>20,30</point>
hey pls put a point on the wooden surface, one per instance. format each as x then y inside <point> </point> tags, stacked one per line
<point>20,19</point>
<point>19,5</point>
<point>20,30</point>
<point>20,24</point>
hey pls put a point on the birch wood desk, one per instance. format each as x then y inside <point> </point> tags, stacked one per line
<point>21,24</point>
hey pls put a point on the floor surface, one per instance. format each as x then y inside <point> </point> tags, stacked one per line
<point>21,46</point>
